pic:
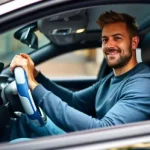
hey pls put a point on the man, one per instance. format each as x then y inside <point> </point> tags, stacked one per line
<point>121,97</point>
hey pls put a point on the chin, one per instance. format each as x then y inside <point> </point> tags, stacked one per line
<point>114,65</point>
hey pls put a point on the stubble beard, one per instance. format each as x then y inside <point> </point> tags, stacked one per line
<point>122,60</point>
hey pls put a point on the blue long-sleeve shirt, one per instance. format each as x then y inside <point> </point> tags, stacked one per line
<point>114,99</point>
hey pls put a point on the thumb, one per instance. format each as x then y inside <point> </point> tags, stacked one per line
<point>24,55</point>
<point>27,57</point>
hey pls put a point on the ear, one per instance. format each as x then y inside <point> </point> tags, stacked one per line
<point>135,42</point>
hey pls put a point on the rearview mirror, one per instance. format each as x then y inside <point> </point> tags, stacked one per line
<point>27,36</point>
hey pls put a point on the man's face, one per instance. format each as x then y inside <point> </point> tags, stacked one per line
<point>116,44</point>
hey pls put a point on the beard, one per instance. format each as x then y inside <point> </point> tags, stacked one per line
<point>121,61</point>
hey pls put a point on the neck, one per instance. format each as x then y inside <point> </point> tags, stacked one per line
<point>124,69</point>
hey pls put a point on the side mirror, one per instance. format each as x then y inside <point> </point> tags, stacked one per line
<point>27,36</point>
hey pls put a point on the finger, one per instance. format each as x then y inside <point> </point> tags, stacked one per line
<point>24,55</point>
<point>18,61</point>
<point>12,64</point>
<point>27,57</point>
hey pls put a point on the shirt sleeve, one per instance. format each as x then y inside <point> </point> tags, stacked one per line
<point>83,100</point>
<point>132,106</point>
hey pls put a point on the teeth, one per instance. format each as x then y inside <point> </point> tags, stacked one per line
<point>112,53</point>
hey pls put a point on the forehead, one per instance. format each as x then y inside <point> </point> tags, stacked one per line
<point>115,28</point>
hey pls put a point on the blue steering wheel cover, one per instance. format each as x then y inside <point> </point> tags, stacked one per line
<point>23,89</point>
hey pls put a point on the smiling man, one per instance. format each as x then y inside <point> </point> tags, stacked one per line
<point>121,97</point>
<point>119,41</point>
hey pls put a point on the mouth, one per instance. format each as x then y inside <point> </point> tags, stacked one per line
<point>111,52</point>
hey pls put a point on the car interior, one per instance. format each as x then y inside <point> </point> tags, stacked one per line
<point>68,31</point>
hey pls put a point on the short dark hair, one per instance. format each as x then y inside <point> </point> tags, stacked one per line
<point>113,17</point>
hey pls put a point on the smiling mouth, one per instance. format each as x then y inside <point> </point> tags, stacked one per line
<point>111,52</point>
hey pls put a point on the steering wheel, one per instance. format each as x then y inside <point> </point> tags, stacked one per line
<point>34,113</point>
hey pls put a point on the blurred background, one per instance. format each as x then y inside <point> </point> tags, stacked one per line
<point>81,63</point>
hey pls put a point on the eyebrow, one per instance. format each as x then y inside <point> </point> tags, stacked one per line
<point>113,35</point>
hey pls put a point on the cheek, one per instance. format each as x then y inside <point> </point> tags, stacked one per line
<point>125,46</point>
<point>103,48</point>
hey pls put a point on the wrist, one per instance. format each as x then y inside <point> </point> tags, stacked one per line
<point>33,84</point>
<point>36,72</point>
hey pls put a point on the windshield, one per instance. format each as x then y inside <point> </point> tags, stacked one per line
<point>10,46</point>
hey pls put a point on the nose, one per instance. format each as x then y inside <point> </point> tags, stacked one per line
<point>110,43</point>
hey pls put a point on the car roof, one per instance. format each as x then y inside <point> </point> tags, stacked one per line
<point>86,17</point>
<point>95,9</point>
<point>7,6</point>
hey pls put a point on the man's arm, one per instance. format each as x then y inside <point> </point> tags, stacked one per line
<point>132,106</point>
<point>83,100</point>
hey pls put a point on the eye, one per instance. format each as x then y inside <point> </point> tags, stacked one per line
<point>117,38</point>
<point>104,40</point>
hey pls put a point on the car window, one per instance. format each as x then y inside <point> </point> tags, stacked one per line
<point>138,54</point>
<point>9,46</point>
<point>81,63</point>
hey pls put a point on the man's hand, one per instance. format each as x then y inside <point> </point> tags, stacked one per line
<point>24,61</point>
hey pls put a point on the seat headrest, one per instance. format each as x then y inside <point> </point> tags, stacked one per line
<point>145,49</point>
